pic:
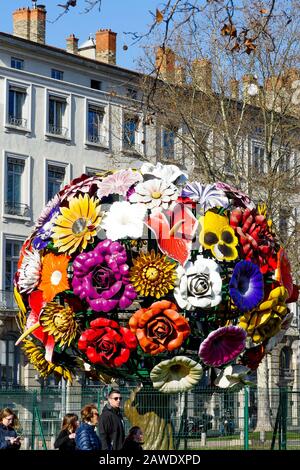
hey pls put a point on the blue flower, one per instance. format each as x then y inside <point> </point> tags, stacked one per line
<point>42,236</point>
<point>246,286</point>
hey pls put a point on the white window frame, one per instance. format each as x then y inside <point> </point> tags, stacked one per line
<point>178,146</point>
<point>139,141</point>
<point>105,131</point>
<point>67,179</point>
<point>4,238</point>
<point>26,107</point>
<point>67,97</point>
<point>26,190</point>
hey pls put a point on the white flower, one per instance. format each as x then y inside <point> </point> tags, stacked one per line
<point>118,183</point>
<point>155,193</point>
<point>233,377</point>
<point>124,220</point>
<point>199,284</point>
<point>30,271</point>
<point>176,375</point>
<point>169,173</point>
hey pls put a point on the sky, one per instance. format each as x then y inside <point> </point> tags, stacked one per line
<point>119,15</point>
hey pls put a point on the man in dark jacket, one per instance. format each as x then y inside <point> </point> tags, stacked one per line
<point>111,425</point>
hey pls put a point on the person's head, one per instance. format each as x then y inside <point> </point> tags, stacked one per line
<point>70,422</point>
<point>135,434</point>
<point>8,418</point>
<point>114,398</point>
<point>89,414</point>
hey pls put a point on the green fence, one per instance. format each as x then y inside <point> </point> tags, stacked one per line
<point>200,419</point>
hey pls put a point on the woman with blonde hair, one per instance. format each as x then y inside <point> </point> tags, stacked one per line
<point>66,438</point>
<point>86,437</point>
<point>9,440</point>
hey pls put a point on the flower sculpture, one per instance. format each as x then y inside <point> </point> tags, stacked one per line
<point>140,274</point>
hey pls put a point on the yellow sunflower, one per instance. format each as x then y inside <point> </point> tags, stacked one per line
<point>152,274</point>
<point>77,224</point>
<point>59,321</point>
<point>36,356</point>
<point>54,275</point>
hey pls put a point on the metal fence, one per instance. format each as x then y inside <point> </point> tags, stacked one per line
<point>200,419</point>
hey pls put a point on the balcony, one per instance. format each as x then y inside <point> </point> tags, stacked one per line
<point>17,208</point>
<point>17,121</point>
<point>133,147</point>
<point>58,131</point>
<point>7,301</point>
<point>98,139</point>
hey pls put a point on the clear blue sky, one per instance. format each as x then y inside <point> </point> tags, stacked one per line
<point>119,15</point>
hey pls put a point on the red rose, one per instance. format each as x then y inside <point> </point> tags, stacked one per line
<point>107,343</point>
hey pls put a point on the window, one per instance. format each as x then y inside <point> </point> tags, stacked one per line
<point>12,253</point>
<point>9,362</point>
<point>96,124</point>
<point>57,74</point>
<point>284,160</point>
<point>130,130</point>
<point>57,110</point>
<point>258,158</point>
<point>17,63</point>
<point>168,143</point>
<point>16,106</point>
<point>56,178</point>
<point>96,85</point>
<point>132,93</point>
<point>14,203</point>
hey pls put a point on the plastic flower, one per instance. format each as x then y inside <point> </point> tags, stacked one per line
<point>107,343</point>
<point>217,235</point>
<point>84,184</point>
<point>101,277</point>
<point>222,345</point>
<point>47,211</point>
<point>266,320</point>
<point>169,173</point>
<point>36,357</point>
<point>77,224</point>
<point>253,356</point>
<point>43,234</point>
<point>124,220</point>
<point>176,375</point>
<point>238,196</point>
<point>152,274</point>
<point>59,321</point>
<point>256,241</point>
<point>159,328</point>
<point>233,377</point>
<point>118,183</point>
<point>199,284</point>
<point>283,272</point>
<point>54,277</point>
<point>276,339</point>
<point>207,196</point>
<point>155,193</point>
<point>246,286</point>
<point>30,271</point>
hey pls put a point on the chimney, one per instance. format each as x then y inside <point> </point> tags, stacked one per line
<point>21,23</point>
<point>234,89</point>
<point>72,44</point>
<point>30,24</point>
<point>106,46</point>
<point>202,75</point>
<point>165,64</point>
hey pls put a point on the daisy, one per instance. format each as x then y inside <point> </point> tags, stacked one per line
<point>54,276</point>
<point>124,220</point>
<point>155,193</point>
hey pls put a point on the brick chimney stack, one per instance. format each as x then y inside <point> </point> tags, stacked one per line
<point>30,24</point>
<point>72,44</point>
<point>202,75</point>
<point>165,64</point>
<point>106,46</point>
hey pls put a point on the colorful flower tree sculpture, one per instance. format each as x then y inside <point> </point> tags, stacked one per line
<point>140,274</point>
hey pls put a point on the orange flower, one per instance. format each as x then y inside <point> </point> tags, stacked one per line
<point>54,276</point>
<point>159,328</point>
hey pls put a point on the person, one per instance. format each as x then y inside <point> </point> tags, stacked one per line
<point>111,425</point>
<point>85,436</point>
<point>9,439</point>
<point>66,438</point>
<point>134,440</point>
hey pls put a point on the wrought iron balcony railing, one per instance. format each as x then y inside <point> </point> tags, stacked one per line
<point>17,121</point>
<point>7,301</point>
<point>17,208</point>
<point>95,138</point>
<point>56,130</point>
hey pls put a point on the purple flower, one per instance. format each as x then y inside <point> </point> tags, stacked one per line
<point>246,286</point>
<point>239,198</point>
<point>44,232</point>
<point>222,345</point>
<point>101,277</point>
<point>207,196</point>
